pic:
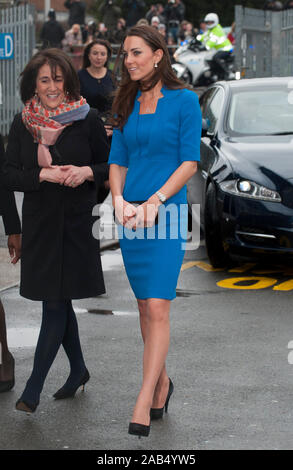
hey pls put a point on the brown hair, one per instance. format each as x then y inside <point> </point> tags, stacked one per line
<point>54,58</point>
<point>126,93</point>
<point>101,42</point>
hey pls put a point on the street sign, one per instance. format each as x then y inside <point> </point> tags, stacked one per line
<point>6,46</point>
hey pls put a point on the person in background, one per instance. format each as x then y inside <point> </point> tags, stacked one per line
<point>174,13</point>
<point>151,12</point>
<point>102,32</point>
<point>160,13</point>
<point>231,35</point>
<point>202,27</point>
<point>12,228</point>
<point>97,86</point>
<point>186,32</point>
<point>52,33</point>
<point>142,22</point>
<point>57,156</point>
<point>77,9</point>
<point>155,22</point>
<point>215,38</point>
<point>109,13</point>
<point>134,11</point>
<point>288,5</point>
<point>154,152</point>
<point>273,5</point>
<point>96,81</point>
<point>89,32</point>
<point>73,37</point>
<point>120,31</point>
<point>163,30</point>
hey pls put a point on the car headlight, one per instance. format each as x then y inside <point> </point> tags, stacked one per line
<point>250,189</point>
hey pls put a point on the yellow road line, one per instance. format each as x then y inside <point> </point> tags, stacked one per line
<point>200,264</point>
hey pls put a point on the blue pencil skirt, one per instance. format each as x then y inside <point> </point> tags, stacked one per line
<point>153,256</point>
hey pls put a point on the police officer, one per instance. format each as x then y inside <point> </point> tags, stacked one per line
<point>215,38</point>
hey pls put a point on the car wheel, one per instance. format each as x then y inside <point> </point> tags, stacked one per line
<point>217,253</point>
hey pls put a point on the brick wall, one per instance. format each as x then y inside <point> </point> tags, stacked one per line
<point>58,5</point>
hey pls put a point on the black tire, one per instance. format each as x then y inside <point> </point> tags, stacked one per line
<point>217,253</point>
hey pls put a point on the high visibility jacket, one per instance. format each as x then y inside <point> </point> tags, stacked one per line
<point>216,38</point>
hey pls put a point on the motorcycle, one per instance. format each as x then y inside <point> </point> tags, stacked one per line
<point>194,65</point>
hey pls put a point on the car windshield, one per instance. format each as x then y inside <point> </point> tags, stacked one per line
<point>261,112</point>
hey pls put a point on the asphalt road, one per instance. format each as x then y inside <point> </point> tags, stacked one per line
<point>229,361</point>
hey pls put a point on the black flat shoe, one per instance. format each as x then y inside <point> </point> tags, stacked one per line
<point>22,405</point>
<point>157,413</point>
<point>139,430</point>
<point>65,392</point>
<point>7,385</point>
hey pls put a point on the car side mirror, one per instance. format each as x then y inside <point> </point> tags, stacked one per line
<point>205,127</point>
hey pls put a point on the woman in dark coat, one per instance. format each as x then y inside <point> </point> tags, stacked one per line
<point>12,228</point>
<point>57,155</point>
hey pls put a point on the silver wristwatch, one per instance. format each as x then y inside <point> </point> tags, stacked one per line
<point>161,196</point>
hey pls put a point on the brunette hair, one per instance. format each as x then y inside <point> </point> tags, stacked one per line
<point>54,58</point>
<point>101,42</point>
<point>126,93</point>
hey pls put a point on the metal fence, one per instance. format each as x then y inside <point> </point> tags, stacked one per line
<point>264,42</point>
<point>19,21</point>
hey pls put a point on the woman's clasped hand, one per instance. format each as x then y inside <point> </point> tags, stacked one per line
<point>67,175</point>
<point>134,217</point>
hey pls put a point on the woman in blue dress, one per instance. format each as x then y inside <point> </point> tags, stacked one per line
<point>155,149</point>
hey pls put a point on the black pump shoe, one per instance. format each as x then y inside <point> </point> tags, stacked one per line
<point>139,429</point>
<point>65,392</point>
<point>22,405</point>
<point>157,413</point>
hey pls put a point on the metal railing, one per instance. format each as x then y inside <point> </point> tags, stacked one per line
<point>20,22</point>
<point>264,42</point>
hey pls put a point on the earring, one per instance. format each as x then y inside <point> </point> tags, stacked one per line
<point>156,65</point>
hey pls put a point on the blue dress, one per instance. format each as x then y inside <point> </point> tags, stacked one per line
<point>152,147</point>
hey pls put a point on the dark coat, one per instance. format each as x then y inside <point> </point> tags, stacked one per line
<point>8,208</point>
<point>52,34</point>
<point>60,257</point>
<point>76,12</point>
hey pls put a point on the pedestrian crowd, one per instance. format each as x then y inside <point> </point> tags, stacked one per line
<point>169,19</point>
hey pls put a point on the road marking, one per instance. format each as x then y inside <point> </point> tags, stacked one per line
<point>258,282</point>
<point>242,268</point>
<point>200,264</point>
<point>284,286</point>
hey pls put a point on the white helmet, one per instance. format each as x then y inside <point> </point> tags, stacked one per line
<point>212,17</point>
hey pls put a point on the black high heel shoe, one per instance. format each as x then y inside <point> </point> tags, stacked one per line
<point>7,385</point>
<point>22,405</point>
<point>157,413</point>
<point>65,392</point>
<point>139,429</point>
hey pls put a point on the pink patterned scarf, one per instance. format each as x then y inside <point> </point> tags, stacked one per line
<point>45,126</point>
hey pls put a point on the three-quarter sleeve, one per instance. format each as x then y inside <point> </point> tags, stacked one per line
<point>119,151</point>
<point>190,127</point>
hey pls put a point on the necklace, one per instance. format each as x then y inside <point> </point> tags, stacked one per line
<point>150,103</point>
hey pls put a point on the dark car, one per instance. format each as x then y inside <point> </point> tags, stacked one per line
<point>244,181</point>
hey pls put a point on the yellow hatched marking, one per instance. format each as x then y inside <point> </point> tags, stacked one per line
<point>200,264</point>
